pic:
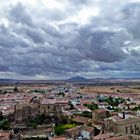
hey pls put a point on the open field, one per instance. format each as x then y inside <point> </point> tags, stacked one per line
<point>26,87</point>
<point>110,89</point>
<point>82,88</point>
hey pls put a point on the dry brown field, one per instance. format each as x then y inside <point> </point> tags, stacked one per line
<point>110,89</point>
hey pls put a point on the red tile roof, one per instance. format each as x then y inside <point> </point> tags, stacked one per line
<point>81,119</point>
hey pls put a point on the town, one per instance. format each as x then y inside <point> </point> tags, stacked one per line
<point>69,111</point>
<point>69,69</point>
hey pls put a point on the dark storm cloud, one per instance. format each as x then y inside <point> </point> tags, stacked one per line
<point>56,44</point>
<point>19,14</point>
<point>103,46</point>
<point>35,34</point>
<point>3,68</point>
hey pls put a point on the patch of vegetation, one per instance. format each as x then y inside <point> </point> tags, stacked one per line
<point>16,89</point>
<point>112,101</point>
<point>124,91</point>
<point>91,106</point>
<point>61,93</point>
<point>4,123</point>
<point>38,120</point>
<point>38,91</point>
<point>112,88</point>
<point>3,91</point>
<point>137,88</point>
<point>86,114</point>
<point>62,127</point>
<point>136,108</point>
<point>116,109</point>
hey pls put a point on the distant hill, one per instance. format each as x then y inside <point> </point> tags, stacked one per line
<point>77,79</point>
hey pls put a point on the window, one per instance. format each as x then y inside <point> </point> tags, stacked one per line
<point>131,129</point>
<point>135,129</point>
<point>126,129</point>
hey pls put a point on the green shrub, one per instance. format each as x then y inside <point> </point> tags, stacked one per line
<point>61,128</point>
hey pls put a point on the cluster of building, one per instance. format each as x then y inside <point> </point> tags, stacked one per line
<point>103,124</point>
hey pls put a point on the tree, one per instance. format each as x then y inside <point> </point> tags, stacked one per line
<point>16,89</point>
<point>87,114</point>
<point>61,93</point>
<point>37,120</point>
<point>91,106</point>
<point>5,124</point>
<point>62,127</point>
<point>1,116</point>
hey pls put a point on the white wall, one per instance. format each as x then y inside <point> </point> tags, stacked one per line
<point>85,134</point>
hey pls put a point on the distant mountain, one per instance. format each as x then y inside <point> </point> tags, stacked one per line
<point>77,79</point>
<point>74,79</point>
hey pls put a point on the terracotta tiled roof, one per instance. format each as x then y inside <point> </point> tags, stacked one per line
<point>119,138</point>
<point>81,108</point>
<point>59,138</point>
<point>99,110</point>
<point>103,136</point>
<point>80,119</point>
<point>4,136</point>
<point>87,128</point>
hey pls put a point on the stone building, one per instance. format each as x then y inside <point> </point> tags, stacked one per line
<point>73,133</point>
<point>26,111</point>
<point>111,136</point>
<point>123,125</point>
<point>99,115</point>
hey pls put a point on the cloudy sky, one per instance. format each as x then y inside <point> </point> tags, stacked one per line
<point>56,39</point>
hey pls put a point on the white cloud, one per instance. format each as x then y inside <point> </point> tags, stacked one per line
<point>50,38</point>
<point>84,16</point>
